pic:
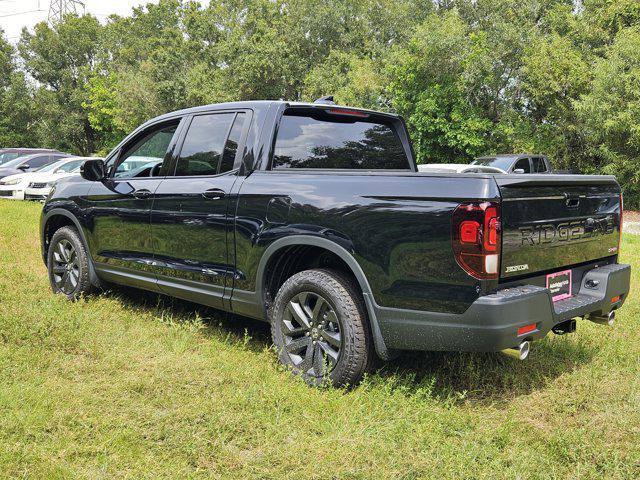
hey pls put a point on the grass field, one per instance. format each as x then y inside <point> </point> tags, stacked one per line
<point>129,384</point>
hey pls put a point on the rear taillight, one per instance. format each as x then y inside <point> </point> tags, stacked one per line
<point>621,222</point>
<point>476,237</point>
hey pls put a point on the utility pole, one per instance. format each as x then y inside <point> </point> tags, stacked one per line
<point>59,8</point>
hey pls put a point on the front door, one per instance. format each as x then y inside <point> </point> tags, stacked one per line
<point>120,206</point>
<point>190,221</point>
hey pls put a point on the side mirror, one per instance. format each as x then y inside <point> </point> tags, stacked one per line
<point>519,170</point>
<point>24,167</point>
<point>93,170</point>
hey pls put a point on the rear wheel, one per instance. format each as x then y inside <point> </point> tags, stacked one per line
<point>319,327</point>
<point>68,264</point>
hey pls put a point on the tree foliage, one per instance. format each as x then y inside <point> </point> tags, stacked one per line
<point>471,77</point>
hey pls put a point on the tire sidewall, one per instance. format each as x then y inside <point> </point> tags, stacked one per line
<point>348,322</point>
<point>71,235</point>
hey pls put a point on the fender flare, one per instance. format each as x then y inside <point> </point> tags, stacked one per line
<point>95,280</point>
<point>315,241</point>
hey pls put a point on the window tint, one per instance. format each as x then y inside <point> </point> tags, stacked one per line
<point>538,165</point>
<point>145,157</point>
<point>323,141</point>
<point>203,145</point>
<point>37,162</point>
<point>231,147</point>
<point>523,163</point>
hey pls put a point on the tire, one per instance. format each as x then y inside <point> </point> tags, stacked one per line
<point>320,329</point>
<point>68,264</point>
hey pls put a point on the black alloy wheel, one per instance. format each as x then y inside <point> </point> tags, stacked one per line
<point>312,334</point>
<point>65,268</point>
<point>68,264</point>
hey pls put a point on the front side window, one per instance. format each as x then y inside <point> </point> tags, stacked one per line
<point>204,144</point>
<point>145,157</point>
<point>333,141</point>
<point>523,164</point>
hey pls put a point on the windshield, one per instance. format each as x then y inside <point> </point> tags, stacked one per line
<point>51,167</point>
<point>15,162</point>
<point>7,157</point>
<point>70,167</point>
<point>503,163</point>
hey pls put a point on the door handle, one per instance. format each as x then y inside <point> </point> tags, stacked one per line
<point>571,201</point>
<point>142,193</point>
<point>214,194</point>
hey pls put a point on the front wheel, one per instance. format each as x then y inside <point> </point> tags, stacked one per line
<point>68,264</point>
<point>319,328</point>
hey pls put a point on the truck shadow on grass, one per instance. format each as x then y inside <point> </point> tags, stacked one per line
<point>451,376</point>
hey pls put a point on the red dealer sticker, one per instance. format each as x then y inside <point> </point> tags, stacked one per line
<point>559,284</point>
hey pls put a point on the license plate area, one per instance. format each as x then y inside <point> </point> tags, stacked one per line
<point>559,284</point>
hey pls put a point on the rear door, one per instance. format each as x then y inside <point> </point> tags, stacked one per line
<point>190,221</point>
<point>553,221</point>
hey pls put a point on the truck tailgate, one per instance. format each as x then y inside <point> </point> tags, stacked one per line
<point>551,221</point>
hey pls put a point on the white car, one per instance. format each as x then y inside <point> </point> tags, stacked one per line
<point>39,184</point>
<point>457,168</point>
<point>13,186</point>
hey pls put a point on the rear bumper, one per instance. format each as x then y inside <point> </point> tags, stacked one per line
<point>492,321</point>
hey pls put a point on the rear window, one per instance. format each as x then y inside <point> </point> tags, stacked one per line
<point>324,140</point>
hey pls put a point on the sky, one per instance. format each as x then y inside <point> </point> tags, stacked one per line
<point>15,14</point>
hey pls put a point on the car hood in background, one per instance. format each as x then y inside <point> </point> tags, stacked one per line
<point>46,177</point>
<point>5,172</point>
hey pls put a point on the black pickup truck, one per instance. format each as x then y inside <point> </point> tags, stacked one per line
<point>313,217</point>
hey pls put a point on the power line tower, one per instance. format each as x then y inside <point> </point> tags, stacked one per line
<point>59,8</point>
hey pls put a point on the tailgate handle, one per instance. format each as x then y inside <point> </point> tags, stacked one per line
<point>571,201</point>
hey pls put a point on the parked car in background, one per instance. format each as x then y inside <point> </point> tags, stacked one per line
<point>8,154</point>
<point>29,163</point>
<point>457,168</point>
<point>13,187</point>
<point>40,183</point>
<point>516,163</point>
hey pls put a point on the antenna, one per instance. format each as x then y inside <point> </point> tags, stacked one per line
<point>58,9</point>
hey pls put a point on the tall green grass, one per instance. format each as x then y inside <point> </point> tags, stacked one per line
<point>134,385</point>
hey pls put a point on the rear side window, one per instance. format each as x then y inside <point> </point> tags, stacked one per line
<point>231,148</point>
<point>538,165</point>
<point>323,140</point>
<point>204,144</point>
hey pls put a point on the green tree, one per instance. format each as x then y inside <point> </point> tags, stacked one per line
<point>16,115</point>
<point>610,113</point>
<point>61,60</point>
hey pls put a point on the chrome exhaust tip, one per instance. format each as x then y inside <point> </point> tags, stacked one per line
<point>521,352</point>
<point>608,319</point>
